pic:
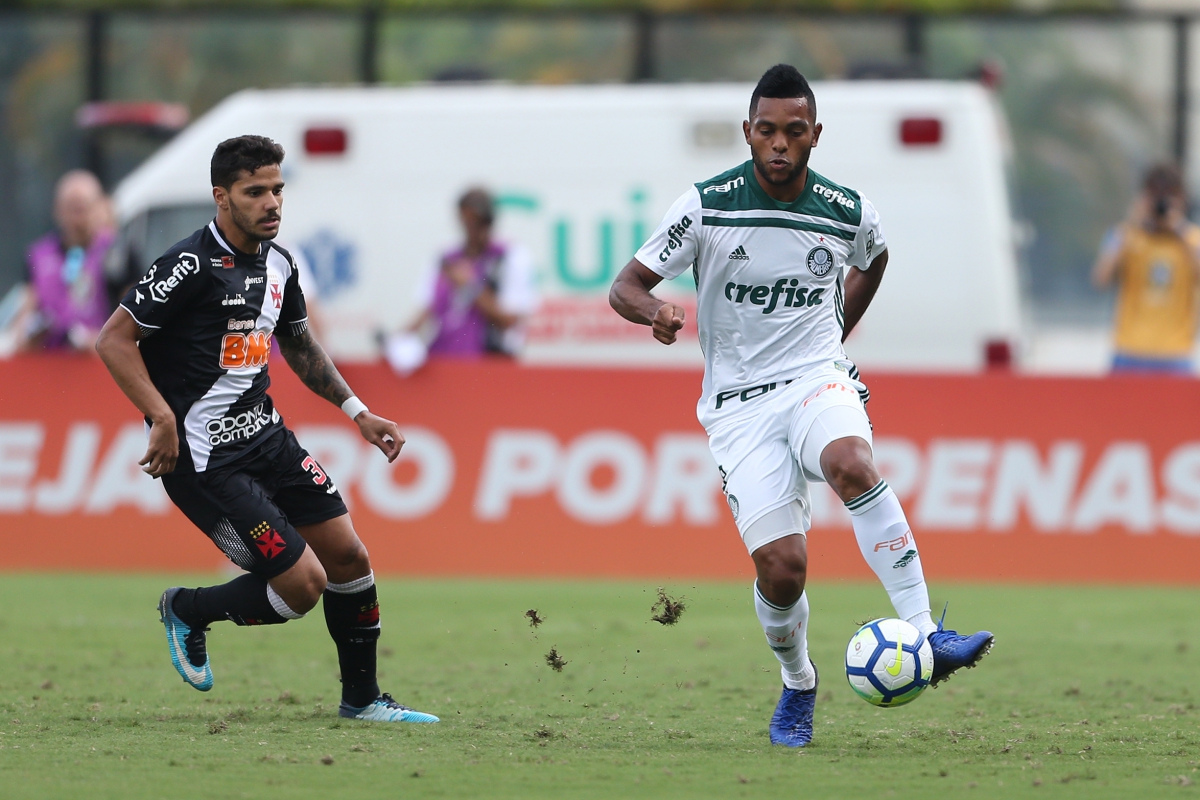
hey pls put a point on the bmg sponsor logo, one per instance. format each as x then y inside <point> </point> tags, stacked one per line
<point>240,350</point>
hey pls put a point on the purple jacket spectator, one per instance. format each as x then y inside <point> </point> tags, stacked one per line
<point>69,286</point>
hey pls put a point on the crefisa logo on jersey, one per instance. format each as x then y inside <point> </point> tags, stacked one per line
<point>820,261</point>
<point>675,238</point>
<point>833,196</point>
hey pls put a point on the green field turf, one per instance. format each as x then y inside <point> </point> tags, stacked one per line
<point>1090,692</point>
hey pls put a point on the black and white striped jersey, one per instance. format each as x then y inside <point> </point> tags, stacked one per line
<point>207,313</point>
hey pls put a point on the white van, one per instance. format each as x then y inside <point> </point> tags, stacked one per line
<point>582,175</point>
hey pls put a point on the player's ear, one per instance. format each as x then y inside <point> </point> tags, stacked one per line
<point>746,130</point>
<point>817,133</point>
<point>221,197</point>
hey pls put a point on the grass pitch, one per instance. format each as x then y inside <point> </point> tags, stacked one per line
<point>1090,692</point>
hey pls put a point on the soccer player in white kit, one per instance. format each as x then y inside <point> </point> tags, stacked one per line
<point>786,262</point>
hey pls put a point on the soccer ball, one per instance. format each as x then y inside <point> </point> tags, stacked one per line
<point>888,662</point>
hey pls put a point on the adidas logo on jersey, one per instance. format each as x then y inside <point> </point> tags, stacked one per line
<point>740,254</point>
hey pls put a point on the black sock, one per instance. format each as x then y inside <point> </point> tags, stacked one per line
<point>353,622</point>
<point>243,601</point>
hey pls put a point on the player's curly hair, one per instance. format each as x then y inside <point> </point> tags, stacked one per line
<point>249,153</point>
<point>783,80</point>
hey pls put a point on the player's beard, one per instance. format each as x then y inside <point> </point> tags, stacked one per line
<point>246,224</point>
<point>792,174</point>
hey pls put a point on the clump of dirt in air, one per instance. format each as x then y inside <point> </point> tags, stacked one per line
<point>534,618</point>
<point>667,610</point>
<point>555,661</point>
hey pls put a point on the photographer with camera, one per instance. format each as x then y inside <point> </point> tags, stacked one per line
<point>1154,258</point>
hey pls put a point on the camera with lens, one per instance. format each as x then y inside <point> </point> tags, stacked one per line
<point>1162,205</point>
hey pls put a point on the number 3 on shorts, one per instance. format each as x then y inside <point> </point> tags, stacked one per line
<point>310,465</point>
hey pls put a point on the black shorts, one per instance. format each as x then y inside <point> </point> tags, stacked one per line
<point>251,507</point>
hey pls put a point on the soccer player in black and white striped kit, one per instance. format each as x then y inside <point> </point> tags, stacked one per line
<point>189,347</point>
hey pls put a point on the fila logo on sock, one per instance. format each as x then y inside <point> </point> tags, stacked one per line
<point>739,254</point>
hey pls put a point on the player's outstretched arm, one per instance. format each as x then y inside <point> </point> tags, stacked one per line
<point>861,286</point>
<point>631,298</point>
<point>311,364</point>
<point>117,346</point>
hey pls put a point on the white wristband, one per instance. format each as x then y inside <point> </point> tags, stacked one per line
<point>353,407</point>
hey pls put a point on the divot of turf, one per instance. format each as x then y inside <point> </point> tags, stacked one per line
<point>667,610</point>
<point>534,618</point>
<point>555,661</point>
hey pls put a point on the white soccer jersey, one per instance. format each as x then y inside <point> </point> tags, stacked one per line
<point>769,279</point>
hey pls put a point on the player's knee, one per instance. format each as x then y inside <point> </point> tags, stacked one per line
<point>849,468</point>
<point>306,586</point>
<point>347,562</point>
<point>353,558</point>
<point>781,574</point>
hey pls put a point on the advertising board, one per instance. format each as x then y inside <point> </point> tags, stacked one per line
<point>524,471</point>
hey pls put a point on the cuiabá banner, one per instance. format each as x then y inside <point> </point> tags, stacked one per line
<point>513,470</point>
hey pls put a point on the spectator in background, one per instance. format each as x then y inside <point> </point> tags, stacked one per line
<point>475,299</point>
<point>1154,258</point>
<point>67,299</point>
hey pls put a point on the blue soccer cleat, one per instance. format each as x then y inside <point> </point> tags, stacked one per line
<point>189,651</point>
<point>385,709</point>
<point>792,723</point>
<point>953,651</point>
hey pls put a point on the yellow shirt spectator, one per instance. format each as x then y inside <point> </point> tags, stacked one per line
<point>1156,301</point>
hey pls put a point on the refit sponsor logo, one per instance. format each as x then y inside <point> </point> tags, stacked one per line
<point>188,264</point>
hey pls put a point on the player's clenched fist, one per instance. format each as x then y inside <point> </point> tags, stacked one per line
<point>667,322</point>
<point>383,433</point>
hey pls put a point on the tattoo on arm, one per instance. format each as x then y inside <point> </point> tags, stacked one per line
<point>309,361</point>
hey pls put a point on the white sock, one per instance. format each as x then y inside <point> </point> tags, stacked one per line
<point>888,545</point>
<point>280,606</point>
<point>787,635</point>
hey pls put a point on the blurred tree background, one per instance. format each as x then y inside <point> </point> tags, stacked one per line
<point>1088,89</point>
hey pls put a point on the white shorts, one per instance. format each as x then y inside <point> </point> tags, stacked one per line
<point>767,458</point>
